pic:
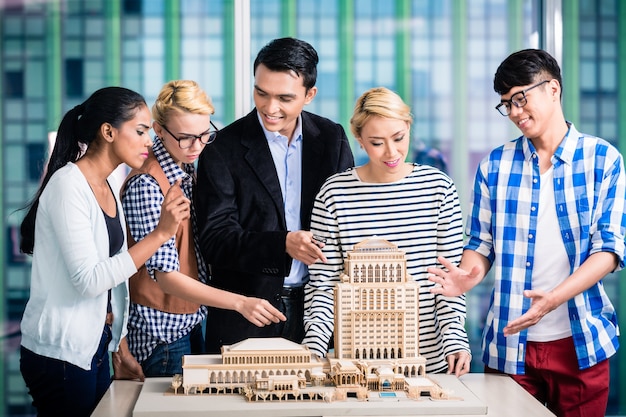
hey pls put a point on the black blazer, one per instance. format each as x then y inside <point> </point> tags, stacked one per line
<point>240,214</point>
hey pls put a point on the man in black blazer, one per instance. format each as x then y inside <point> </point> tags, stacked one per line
<point>255,191</point>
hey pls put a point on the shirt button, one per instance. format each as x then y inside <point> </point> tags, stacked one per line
<point>530,236</point>
<point>533,208</point>
<point>527,263</point>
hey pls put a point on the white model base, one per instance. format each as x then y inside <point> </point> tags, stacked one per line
<point>153,402</point>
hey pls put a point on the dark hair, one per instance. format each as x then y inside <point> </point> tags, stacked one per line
<point>290,54</point>
<point>525,67</point>
<point>78,129</point>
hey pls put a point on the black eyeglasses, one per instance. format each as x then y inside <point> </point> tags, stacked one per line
<point>186,141</point>
<point>518,100</point>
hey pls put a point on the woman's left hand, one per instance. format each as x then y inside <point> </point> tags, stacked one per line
<point>125,366</point>
<point>459,363</point>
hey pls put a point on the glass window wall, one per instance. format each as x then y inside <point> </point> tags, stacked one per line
<point>440,56</point>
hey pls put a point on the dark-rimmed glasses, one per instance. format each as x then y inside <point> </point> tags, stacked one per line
<point>518,100</point>
<point>187,140</point>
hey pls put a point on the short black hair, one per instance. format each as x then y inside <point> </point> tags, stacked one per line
<point>525,67</point>
<point>290,54</point>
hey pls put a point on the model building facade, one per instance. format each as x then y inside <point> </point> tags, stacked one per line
<point>376,305</point>
<point>376,343</point>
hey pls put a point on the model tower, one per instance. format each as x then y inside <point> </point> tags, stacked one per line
<point>376,305</point>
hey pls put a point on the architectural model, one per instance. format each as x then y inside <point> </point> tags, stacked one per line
<point>376,344</point>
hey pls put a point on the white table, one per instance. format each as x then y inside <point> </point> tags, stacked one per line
<point>502,395</point>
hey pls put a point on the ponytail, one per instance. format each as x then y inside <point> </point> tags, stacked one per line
<point>66,149</point>
<point>78,129</point>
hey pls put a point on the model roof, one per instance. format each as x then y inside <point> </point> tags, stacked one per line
<point>375,244</point>
<point>264,344</point>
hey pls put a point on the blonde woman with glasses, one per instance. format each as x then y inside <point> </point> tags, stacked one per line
<point>169,294</point>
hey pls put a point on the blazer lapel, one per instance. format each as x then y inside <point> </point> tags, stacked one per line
<point>312,160</point>
<point>261,162</point>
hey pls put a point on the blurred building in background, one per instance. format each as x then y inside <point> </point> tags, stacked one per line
<point>439,55</point>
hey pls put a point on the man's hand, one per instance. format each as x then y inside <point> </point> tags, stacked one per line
<point>453,281</point>
<point>301,246</point>
<point>541,304</point>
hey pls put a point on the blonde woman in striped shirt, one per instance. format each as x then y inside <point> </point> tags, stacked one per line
<point>413,206</point>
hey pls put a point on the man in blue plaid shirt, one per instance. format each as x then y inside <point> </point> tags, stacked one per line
<point>547,215</point>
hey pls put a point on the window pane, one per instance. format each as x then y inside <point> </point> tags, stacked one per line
<point>74,77</point>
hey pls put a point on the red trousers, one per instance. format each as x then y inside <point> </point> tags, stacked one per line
<point>552,376</point>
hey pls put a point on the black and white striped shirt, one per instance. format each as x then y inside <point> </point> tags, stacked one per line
<point>421,215</point>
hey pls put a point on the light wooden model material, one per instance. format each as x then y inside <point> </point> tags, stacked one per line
<point>376,345</point>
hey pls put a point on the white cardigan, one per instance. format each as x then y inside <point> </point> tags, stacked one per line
<point>72,273</point>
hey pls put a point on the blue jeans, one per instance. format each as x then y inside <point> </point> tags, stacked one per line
<point>59,388</point>
<point>167,359</point>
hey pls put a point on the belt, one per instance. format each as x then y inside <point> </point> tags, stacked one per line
<point>292,292</point>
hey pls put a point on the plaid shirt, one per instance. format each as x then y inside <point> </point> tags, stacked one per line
<point>589,188</point>
<point>141,201</point>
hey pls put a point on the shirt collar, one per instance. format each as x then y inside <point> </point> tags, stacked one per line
<point>171,169</point>
<point>566,149</point>
<point>272,136</point>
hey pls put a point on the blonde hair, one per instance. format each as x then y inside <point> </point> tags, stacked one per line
<point>181,95</point>
<point>378,101</point>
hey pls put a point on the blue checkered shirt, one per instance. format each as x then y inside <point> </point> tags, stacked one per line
<point>141,201</point>
<point>589,188</point>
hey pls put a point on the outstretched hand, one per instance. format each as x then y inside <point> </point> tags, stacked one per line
<point>260,312</point>
<point>541,304</point>
<point>453,281</point>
